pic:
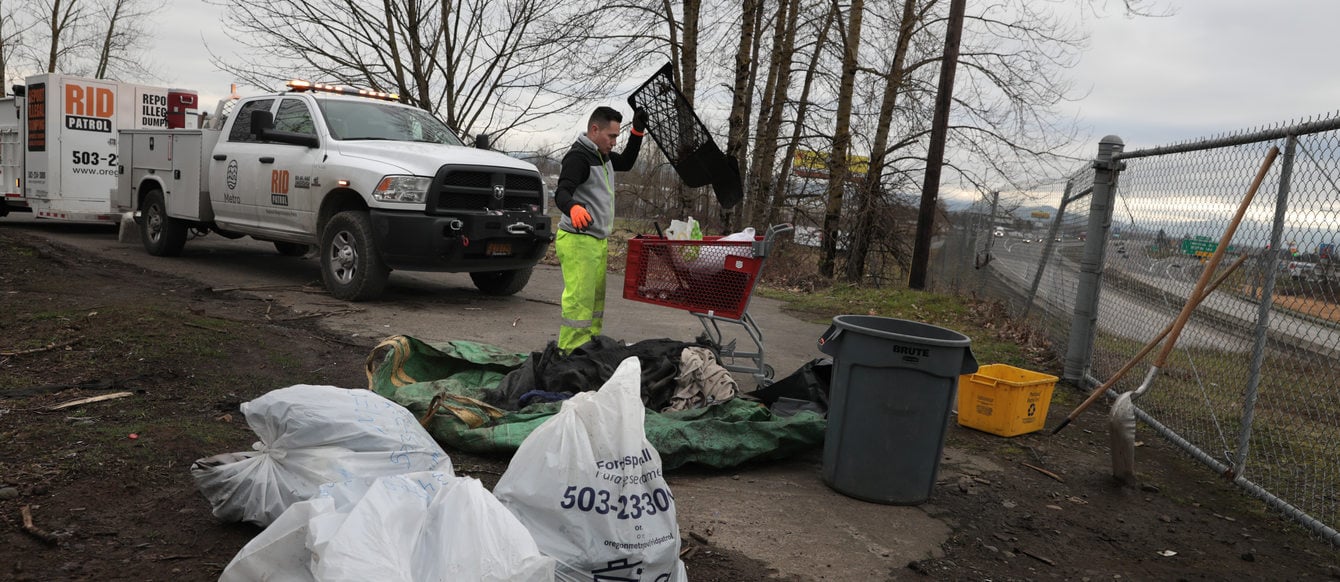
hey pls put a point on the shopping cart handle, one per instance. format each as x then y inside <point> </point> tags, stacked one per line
<point>763,247</point>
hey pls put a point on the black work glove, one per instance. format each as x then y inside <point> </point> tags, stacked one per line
<point>640,120</point>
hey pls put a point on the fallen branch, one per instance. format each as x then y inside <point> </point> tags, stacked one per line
<point>33,530</point>
<point>91,399</point>
<point>48,347</point>
<point>1044,472</point>
<point>1038,557</point>
<point>204,327</point>
<point>259,288</point>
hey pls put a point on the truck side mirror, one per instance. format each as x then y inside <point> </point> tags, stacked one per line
<point>262,126</point>
<point>261,122</point>
<point>482,141</point>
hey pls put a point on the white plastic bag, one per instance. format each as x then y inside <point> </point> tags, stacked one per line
<point>684,230</point>
<point>588,485</point>
<point>412,527</point>
<point>310,435</point>
<point>713,257</point>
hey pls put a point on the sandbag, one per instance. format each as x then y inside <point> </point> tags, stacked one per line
<point>590,488</point>
<point>310,435</point>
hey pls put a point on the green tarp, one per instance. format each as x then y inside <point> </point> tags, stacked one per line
<point>459,374</point>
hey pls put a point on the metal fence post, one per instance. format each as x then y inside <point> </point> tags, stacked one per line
<point>1083,322</point>
<point>1269,265</point>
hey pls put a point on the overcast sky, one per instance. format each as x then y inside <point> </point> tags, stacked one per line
<point>1215,66</point>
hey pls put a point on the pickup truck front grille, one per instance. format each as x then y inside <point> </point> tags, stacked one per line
<point>458,188</point>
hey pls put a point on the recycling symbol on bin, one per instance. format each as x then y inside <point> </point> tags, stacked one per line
<point>1032,409</point>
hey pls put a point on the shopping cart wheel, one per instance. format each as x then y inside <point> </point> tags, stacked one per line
<point>768,372</point>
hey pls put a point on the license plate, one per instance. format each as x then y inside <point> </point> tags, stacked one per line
<point>499,249</point>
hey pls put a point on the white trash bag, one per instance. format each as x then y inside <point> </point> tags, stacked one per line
<point>310,435</point>
<point>402,528</point>
<point>588,485</point>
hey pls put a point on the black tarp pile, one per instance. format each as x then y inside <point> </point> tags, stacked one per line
<point>475,407</point>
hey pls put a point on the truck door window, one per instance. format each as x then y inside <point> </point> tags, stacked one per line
<point>241,131</point>
<point>293,116</point>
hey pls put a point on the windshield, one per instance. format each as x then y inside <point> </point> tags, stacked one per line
<point>352,120</point>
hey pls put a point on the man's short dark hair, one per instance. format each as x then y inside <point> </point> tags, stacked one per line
<point>602,116</point>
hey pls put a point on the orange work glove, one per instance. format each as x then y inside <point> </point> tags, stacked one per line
<point>580,217</point>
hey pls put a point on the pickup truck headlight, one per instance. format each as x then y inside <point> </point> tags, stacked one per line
<point>406,189</point>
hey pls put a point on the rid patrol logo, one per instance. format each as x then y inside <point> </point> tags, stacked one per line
<point>279,187</point>
<point>89,108</point>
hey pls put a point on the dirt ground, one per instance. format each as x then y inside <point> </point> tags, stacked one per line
<point>110,498</point>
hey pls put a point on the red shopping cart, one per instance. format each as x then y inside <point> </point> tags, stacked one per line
<point>711,278</point>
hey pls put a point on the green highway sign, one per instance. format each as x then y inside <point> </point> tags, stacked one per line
<point>1201,246</point>
<point>1191,247</point>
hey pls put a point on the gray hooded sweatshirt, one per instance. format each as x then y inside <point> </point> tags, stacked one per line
<point>587,178</point>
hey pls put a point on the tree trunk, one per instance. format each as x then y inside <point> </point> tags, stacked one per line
<point>770,114</point>
<point>837,159</point>
<point>55,36</point>
<point>864,232</point>
<point>741,100</point>
<point>778,195</point>
<point>688,52</point>
<point>105,53</point>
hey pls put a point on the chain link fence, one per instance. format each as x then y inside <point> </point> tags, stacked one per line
<point>1249,390</point>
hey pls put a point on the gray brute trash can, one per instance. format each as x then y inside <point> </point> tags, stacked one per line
<point>893,386</point>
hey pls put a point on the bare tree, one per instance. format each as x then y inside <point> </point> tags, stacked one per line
<point>124,36</point>
<point>772,101</point>
<point>867,214</point>
<point>837,159</point>
<point>777,198</point>
<point>742,88</point>
<point>12,29</point>
<point>59,24</point>
<point>483,66</point>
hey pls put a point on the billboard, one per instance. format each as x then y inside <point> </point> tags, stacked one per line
<point>811,164</point>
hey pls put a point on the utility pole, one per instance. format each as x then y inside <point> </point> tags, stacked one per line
<point>930,189</point>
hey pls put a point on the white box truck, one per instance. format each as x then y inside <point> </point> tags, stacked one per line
<point>373,184</point>
<point>58,141</point>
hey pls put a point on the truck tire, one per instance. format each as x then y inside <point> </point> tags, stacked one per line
<point>501,282</point>
<point>163,235</point>
<point>289,249</point>
<point>350,266</point>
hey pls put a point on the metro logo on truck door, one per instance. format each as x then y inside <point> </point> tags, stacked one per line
<point>89,108</point>
<point>279,187</point>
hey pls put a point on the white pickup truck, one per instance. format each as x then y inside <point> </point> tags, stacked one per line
<point>375,185</point>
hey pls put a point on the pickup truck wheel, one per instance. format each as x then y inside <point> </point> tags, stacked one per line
<point>163,235</point>
<point>350,266</point>
<point>289,249</point>
<point>501,282</point>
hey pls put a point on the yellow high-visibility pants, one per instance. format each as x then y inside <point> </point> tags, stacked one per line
<point>583,259</point>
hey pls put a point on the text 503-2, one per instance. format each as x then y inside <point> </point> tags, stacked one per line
<point>632,506</point>
<point>91,158</point>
